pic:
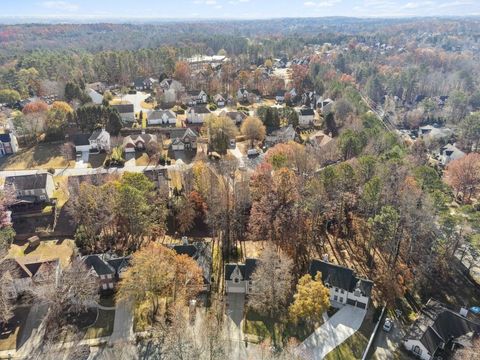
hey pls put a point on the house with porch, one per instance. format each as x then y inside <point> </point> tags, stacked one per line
<point>345,287</point>
<point>439,332</point>
<point>238,277</point>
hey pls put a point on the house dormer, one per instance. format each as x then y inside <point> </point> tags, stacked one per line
<point>236,276</point>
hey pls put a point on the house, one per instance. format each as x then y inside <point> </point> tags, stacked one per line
<point>292,93</point>
<point>141,84</point>
<point>162,117</point>
<point>243,95</point>
<point>319,139</point>
<point>280,96</point>
<point>201,252</point>
<point>172,89</point>
<point>197,114</point>
<point>326,105</point>
<point>237,116</point>
<point>309,99</point>
<point>126,111</point>
<point>35,188</point>
<point>282,135</point>
<point>219,100</point>
<point>138,142</point>
<point>450,152</point>
<point>197,97</point>
<point>106,268</point>
<point>99,140</point>
<point>345,287</point>
<point>96,97</point>
<point>439,331</point>
<point>22,275</point>
<point>185,141</point>
<point>8,144</point>
<point>306,116</point>
<point>159,177</point>
<point>238,277</point>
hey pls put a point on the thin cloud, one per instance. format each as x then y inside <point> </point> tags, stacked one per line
<point>60,5</point>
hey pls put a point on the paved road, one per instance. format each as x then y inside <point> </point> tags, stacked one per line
<point>332,333</point>
<point>136,100</point>
<point>92,171</point>
<point>386,344</point>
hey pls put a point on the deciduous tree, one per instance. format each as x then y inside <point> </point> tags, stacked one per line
<point>464,176</point>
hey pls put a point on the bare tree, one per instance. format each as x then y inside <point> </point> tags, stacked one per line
<point>272,283</point>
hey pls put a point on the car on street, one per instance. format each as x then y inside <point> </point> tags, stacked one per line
<point>387,325</point>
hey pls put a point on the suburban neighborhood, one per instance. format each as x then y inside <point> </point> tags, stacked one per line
<point>235,190</point>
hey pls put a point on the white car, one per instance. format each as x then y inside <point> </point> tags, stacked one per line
<point>387,325</point>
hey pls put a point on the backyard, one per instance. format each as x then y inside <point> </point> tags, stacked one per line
<point>41,156</point>
<point>48,249</point>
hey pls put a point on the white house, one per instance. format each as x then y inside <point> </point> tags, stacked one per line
<point>162,117</point>
<point>197,114</point>
<point>197,97</point>
<point>99,140</point>
<point>345,287</point>
<point>439,330</point>
<point>34,188</point>
<point>306,116</point>
<point>326,105</point>
<point>8,144</point>
<point>96,97</point>
<point>238,277</point>
<point>449,153</point>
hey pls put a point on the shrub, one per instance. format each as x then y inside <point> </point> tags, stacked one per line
<point>51,170</point>
<point>212,107</point>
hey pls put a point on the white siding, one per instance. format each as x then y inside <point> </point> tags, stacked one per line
<point>410,344</point>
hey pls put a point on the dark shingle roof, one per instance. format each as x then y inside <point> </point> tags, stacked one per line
<point>339,276</point>
<point>28,182</point>
<point>98,265</point>
<point>81,139</point>
<point>123,108</point>
<point>5,138</point>
<point>246,269</point>
<point>201,253</point>
<point>119,263</point>
<point>200,109</point>
<point>306,112</point>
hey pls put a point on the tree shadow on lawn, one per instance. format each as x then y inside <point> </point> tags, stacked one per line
<point>278,330</point>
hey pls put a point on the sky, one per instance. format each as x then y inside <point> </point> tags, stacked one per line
<point>242,9</point>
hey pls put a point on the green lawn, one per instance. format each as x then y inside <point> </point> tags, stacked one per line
<point>258,328</point>
<point>351,349</point>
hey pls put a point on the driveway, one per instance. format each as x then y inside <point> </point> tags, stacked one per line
<point>233,322</point>
<point>332,333</point>
<point>123,323</point>
<point>136,100</point>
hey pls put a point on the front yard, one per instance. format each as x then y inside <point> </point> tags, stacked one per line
<point>41,156</point>
<point>258,328</point>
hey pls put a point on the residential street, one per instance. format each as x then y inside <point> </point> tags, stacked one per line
<point>386,344</point>
<point>332,333</point>
<point>92,171</point>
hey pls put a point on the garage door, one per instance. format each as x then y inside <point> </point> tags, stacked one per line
<point>361,305</point>
<point>351,302</point>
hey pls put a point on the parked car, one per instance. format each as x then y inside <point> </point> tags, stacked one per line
<point>387,325</point>
<point>253,153</point>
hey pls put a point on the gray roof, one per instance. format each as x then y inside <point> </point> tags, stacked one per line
<point>200,109</point>
<point>340,277</point>
<point>158,114</point>
<point>81,139</point>
<point>96,263</point>
<point>246,269</point>
<point>438,325</point>
<point>124,108</point>
<point>201,252</point>
<point>28,182</point>
<point>95,134</point>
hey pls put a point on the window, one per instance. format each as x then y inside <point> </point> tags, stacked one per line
<point>417,350</point>
<point>357,292</point>
<point>110,285</point>
<point>104,286</point>
<point>109,276</point>
<point>342,291</point>
<point>42,197</point>
<point>336,289</point>
<point>236,280</point>
<point>341,299</point>
<point>335,298</point>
